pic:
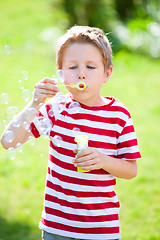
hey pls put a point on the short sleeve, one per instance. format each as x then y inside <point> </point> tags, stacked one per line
<point>43,122</point>
<point>127,146</point>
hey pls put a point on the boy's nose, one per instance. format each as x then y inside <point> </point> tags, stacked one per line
<point>81,75</point>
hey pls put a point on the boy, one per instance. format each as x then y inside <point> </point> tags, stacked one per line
<point>82,205</point>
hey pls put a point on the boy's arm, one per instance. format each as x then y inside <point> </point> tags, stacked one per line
<point>91,159</point>
<point>46,88</point>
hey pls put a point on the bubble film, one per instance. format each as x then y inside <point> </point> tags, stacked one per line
<point>4,98</point>
<point>9,136</point>
<point>11,112</point>
<point>11,153</point>
<point>57,140</point>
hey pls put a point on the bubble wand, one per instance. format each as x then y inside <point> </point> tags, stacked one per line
<point>60,75</point>
<point>80,85</point>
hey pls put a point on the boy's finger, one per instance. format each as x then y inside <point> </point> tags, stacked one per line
<point>75,150</point>
<point>49,80</point>
<point>84,152</point>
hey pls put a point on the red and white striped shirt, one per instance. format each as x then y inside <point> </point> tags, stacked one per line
<point>83,204</point>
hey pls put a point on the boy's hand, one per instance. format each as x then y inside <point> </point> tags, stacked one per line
<point>89,159</point>
<point>46,88</point>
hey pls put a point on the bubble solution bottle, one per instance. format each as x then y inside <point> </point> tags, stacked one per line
<point>82,143</point>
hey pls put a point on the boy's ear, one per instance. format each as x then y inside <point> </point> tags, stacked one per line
<point>108,74</point>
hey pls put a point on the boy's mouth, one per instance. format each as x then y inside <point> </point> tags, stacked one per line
<point>80,86</point>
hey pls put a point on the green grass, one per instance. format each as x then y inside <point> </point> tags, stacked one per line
<point>135,81</point>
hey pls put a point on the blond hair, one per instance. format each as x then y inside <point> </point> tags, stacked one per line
<point>85,34</point>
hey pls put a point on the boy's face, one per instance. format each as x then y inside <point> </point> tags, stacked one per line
<point>83,62</point>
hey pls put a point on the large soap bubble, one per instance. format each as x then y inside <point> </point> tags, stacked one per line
<point>11,153</point>
<point>26,95</point>
<point>17,121</point>
<point>8,136</point>
<point>60,75</point>
<point>30,114</point>
<point>11,112</point>
<point>4,98</point>
<point>57,140</point>
<point>44,126</point>
<point>7,49</point>
<point>25,75</point>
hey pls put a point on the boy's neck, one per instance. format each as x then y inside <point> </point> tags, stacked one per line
<point>100,102</point>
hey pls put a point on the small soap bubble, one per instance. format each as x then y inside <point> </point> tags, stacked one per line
<point>19,147</point>
<point>5,123</point>
<point>30,114</point>
<point>61,98</point>
<point>32,141</point>
<point>7,49</point>
<point>57,140</point>
<point>4,98</point>
<point>41,104</point>
<point>26,95</point>
<point>11,153</point>
<point>30,137</point>
<point>21,84</point>
<point>50,113</point>
<point>11,112</point>
<point>60,76</point>
<point>74,105</point>
<point>76,129</point>
<point>25,75</point>
<point>17,121</point>
<point>9,136</point>
<point>44,126</point>
<point>26,126</point>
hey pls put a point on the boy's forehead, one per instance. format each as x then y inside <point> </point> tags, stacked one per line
<point>81,50</point>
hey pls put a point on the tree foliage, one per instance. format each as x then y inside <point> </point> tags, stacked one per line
<point>108,14</point>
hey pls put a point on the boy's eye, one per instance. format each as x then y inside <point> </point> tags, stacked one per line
<point>73,67</point>
<point>90,67</point>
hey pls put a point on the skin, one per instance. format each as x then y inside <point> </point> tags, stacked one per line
<point>84,65</point>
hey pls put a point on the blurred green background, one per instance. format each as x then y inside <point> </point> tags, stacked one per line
<point>28,34</point>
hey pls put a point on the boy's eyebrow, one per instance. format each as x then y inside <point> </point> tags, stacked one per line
<point>75,61</point>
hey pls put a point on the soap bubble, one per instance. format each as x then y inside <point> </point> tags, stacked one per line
<point>26,95</point>
<point>8,136</point>
<point>5,123</point>
<point>26,126</point>
<point>7,49</point>
<point>50,113</point>
<point>21,84</point>
<point>11,153</point>
<point>60,76</point>
<point>4,98</point>
<point>19,147</point>
<point>76,129</point>
<point>41,104</point>
<point>30,114</point>
<point>32,141</point>
<point>44,126</point>
<point>57,140</point>
<point>74,105</point>
<point>17,121</point>
<point>61,98</point>
<point>25,75</point>
<point>11,112</point>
